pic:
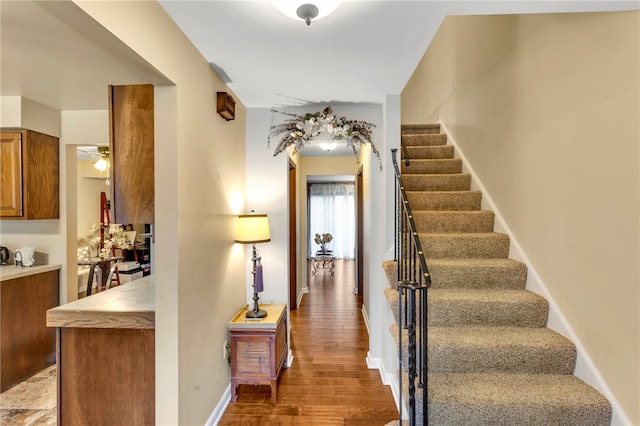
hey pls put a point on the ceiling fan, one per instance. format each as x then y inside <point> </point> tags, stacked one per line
<point>99,153</point>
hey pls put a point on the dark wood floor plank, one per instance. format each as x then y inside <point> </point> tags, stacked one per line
<point>329,382</point>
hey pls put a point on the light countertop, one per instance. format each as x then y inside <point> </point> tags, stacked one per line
<point>131,305</point>
<point>9,272</point>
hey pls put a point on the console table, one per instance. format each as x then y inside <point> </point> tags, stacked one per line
<point>323,260</point>
<point>258,348</point>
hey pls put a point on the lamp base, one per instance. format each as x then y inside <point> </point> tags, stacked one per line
<point>256,314</point>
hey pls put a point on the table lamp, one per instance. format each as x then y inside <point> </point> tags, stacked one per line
<point>252,229</point>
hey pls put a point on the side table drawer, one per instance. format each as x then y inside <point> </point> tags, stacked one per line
<point>253,355</point>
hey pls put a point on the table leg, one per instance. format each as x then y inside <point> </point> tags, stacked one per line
<point>234,391</point>
<point>92,270</point>
<point>274,390</point>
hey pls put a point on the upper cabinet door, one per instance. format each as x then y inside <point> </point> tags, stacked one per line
<point>131,142</point>
<point>30,175</point>
<point>11,173</point>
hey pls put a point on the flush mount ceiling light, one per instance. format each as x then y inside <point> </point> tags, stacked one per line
<point>327,146</point>
<point>306,10</point>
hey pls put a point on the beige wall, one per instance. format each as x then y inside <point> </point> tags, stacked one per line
<point>546,110</point>
<point>200,169</point>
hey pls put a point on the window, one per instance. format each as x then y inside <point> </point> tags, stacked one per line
<point>332,209</point>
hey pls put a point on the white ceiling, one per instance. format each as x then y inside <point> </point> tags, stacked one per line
<point>362,52</point>
<point>54,54</point>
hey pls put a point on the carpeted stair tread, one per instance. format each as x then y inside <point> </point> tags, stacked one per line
<point>457,399</point>
<point>445,200</point>
<point>469,273</point>
<point>425,152</point>
<point>437,182</point>
<point>424,139</point>
<point>432,166</point>
<point>441,221</point>
<point>408,129</point>
<point>458,245</point>
<point>468,307</point>
<point>500,350</point>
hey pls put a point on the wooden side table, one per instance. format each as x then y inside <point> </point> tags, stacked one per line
<point>258,348</point>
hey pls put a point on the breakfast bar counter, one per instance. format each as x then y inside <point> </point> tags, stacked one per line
<point>106,356</point>
<point>130,305</point>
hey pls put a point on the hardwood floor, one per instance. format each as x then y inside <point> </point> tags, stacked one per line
<point>329,382</point>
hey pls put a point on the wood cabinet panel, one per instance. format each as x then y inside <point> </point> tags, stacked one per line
<point>131,149</point>
<point>26,344</point>
<point>106,376</point>
<point>30,175</point>
<point>11,170</point>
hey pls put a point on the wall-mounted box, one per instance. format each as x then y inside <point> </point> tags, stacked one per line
<point>226,106</point>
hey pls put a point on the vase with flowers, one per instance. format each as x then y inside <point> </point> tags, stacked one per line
<point>323,240</point>
<point>114,236</point>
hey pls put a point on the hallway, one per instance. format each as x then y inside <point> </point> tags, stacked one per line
<point>329,382</point>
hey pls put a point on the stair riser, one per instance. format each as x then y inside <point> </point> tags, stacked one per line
<point>430,139</point>
<point>452,414</point>
<point>533,313</point>
<point>501,359</point>
<point>412,129</point>
<point>473,406</point>
<point>509,276</point>
<point>445,200</point>
<point>495,356</point>
<point>437,166</point>
<point>428,152</point>
<point>471,222</point>
<point>437,182</point>
<point>472,246</point>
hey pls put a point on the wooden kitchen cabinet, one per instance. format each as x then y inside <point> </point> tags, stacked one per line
<point>26,344</point>
<point>30,175</point>
<point>131,142</point>
<point>258,349</point>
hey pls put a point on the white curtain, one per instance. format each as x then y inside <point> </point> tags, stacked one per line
<point>332,209</point>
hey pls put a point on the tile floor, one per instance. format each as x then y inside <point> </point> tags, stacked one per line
<point>32,402</point>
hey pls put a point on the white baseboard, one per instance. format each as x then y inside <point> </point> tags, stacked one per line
<point>585,368</point>
<point>290,359</point>
<point>219,410</point>
<point>304,291</point>
<point>365,316</point>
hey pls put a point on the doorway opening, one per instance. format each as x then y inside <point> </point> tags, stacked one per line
<point>331,222</point>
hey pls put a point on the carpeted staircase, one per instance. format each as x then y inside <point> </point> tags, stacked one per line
<point>491,359</point>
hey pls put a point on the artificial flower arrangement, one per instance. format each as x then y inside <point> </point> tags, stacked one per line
<point>114,237</point>
<point>301,128</point>
<point>323,240</point>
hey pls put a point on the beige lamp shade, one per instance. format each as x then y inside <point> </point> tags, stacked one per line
<point>252,228</point>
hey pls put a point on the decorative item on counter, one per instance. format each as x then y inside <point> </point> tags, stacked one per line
<point>24,256</point>
<point>323,240</point>
<point>300,129</point>
<point>253,229</point>
<point>4,255</point>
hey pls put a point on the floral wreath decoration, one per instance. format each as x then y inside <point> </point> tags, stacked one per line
<point>301,128</point>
